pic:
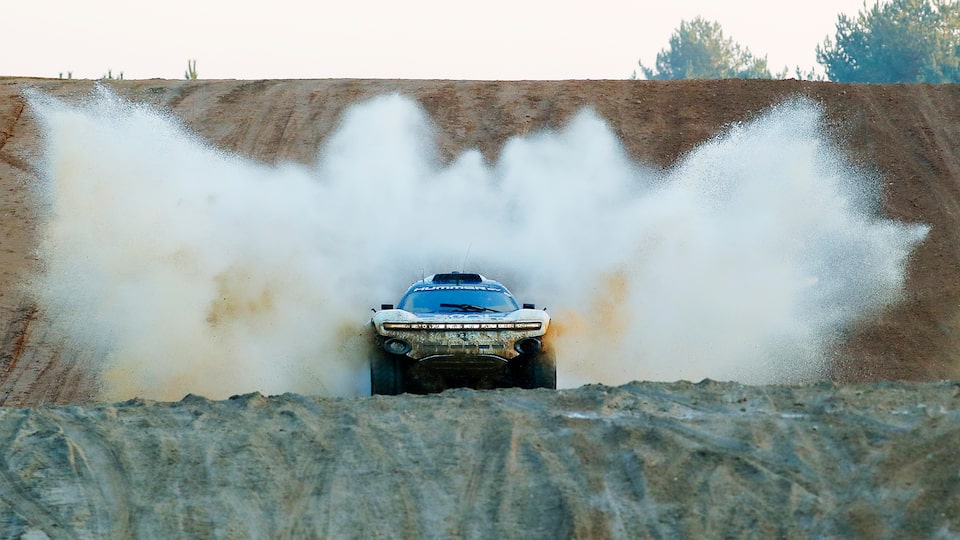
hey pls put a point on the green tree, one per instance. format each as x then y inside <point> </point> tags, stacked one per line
<point>900,41</point>
<point>698,50</point>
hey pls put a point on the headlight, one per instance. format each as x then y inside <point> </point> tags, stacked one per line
<point>528,325</point>
<point>396,346</point>
<point>396,326</point>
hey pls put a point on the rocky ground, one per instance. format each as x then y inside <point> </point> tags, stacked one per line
<point>651,460</point>
<point>858,456</point>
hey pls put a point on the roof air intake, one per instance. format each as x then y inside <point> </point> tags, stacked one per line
<point>457,278</point>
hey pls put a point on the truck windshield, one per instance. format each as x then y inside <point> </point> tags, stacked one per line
<point>450,300</point>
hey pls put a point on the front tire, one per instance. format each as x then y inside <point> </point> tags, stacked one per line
<point>539,371</point>
<point>387,374</point>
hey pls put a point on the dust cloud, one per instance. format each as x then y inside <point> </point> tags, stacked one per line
<point>192,270</point>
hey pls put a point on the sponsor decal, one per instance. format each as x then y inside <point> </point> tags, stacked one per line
<point>462,288</point>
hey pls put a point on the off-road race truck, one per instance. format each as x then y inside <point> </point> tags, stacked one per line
<point>459,330</point>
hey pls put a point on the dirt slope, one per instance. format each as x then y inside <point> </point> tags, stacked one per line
<point>716,460</point>
<point>908,132</point>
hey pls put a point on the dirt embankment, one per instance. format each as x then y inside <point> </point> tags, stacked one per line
<point>657,460</point>
<point>651,460</point>
<point>906,132</point>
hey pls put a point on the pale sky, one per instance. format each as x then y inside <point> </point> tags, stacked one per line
<point>419,39</point>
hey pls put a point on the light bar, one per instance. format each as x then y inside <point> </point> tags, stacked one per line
<point>528,325</point>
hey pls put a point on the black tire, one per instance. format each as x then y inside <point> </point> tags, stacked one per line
<point>538,371</point>
<point>544,367</point>
<point>387,374</point>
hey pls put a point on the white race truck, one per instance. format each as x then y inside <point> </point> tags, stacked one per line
<point>459,330</point>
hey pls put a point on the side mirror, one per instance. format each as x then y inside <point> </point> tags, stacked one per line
<point>529,306</point>
<point>386,306</point>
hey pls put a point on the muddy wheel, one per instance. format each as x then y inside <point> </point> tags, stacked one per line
<point>544,367</point>
<point>386,374</point>
<point>539,371</point>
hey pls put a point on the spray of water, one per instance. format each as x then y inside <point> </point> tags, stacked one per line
<point>193,270</point>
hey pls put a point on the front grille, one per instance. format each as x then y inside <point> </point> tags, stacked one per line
<point>440,349</point>
<point>461,364</point>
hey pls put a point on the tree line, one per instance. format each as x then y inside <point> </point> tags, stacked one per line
<point>906,41</point>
